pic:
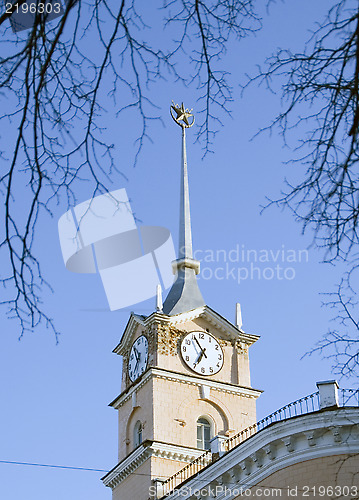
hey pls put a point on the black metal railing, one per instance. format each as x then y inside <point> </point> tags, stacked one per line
<point>188,471</point>
<point>302,406</point>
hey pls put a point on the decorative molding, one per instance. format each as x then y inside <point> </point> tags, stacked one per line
<point>269,449</point>
<point>337,433</point>
<point>160,373</point>
<point>205,312</point>
<point>127,466</point>
<point>134,399</point>
<point>226,326</point>
<point>186,316</point>
<point>174,452</point>
<point>127,394</point>
<point>281,445</point>
<point>223,342</point>
<point>217,321</point>
<point>134,321</point>
<point>214,384</point>
<point>289,443</point>
<point>205,391</point>
<point>156,317</point>
<point>143,453</point>
<point>242,347</point>
<point>167,339</point>
<point>310,435</point>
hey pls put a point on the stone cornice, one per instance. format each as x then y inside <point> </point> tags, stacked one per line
<point>175,452</point>
<point>213,384</point>
<point>134,321</point>
<point>302,438</point>
<point>127,466</point>
<point>217,321</point>
<point>226,326</point>
<point>127,394</point>
<point>247,392</point>
<point>157,317</point>
<point>145,451</point>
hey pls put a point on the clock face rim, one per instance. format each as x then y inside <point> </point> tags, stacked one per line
<point>187,363</point>
<point>128,364</point>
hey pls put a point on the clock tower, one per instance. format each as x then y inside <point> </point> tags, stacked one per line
<point>185,375</point>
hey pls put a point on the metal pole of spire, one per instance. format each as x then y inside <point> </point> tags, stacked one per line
<point>185,232</point>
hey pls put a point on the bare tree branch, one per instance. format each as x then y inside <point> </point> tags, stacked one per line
<point>55,93</point>
<point>320,99</point>
<point>341,344</point>
<point>320,103</point>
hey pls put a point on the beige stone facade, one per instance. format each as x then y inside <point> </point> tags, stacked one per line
<point>169,407</point>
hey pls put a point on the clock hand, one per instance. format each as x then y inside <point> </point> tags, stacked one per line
<point>136,365</point>
<point>138,359</point>
<point>136,353</point>
<point>199,345</point>
<point>203,353</point>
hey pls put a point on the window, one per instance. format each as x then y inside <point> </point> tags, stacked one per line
<point>137,434</point>
<point>203,434</point>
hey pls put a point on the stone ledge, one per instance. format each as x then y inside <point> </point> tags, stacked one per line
<point>149,449</point>
<point>161,373</point>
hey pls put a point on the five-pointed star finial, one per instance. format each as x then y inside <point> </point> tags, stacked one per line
<point>182,115</point>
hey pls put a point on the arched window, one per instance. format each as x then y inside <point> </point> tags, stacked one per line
<point>137,434</point>
<point>203,434</point>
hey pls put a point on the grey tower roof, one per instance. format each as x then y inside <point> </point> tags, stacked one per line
<point>184,294</point>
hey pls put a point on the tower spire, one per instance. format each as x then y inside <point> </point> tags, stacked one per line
<point>185,232</point>
<point>184,294</point>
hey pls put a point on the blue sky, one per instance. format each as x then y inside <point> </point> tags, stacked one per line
<point>54,397</point>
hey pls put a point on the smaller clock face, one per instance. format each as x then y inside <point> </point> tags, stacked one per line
<point>138,358</point>
<point>202,353</point>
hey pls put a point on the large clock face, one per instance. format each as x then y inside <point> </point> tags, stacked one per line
<point>138,358</point>
<point>202,353</point>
